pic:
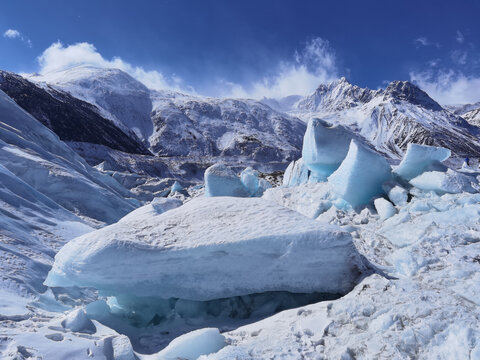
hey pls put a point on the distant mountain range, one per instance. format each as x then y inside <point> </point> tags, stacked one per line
<point>105,114</point>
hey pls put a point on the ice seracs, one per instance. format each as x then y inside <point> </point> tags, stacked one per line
<point>220,180</point>
<point>296,173</point>
<point>360,176</point>
<point>178,254</point>
<point>421,158</point>
<point>324,147</point>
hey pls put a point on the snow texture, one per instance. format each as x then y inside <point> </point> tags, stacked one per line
<point>193,344</point>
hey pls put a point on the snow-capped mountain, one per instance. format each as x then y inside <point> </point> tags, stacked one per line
<point>390,118</point>
<point>195,126</point>
<point>72,119</point>
<point>172,124</point>
<point>470,112</point>
<point>119,97</point>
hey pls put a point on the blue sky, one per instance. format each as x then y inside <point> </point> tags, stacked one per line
<point>253,48</point>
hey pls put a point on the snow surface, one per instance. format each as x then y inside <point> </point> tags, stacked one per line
<point>426,306</point>
<point>288,251</point>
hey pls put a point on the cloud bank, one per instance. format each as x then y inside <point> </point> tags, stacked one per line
<point>315,64</point>
<point>448,86</point>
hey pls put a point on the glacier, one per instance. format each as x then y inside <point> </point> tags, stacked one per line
<point>342,258</point>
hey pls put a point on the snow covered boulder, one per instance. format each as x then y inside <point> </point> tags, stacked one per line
<point>207,248</point>
<point>443,182</point>
<point>296,173</point>
<point>421,158</point>
<point>324,146</point>
<point>78,321</point>
<point>360,176</point>
<point>220,180</point>
<point>194,344</point>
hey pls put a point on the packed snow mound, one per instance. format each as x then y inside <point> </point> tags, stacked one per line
<point>296,173</point>
<point>193,344</point>
<point>78,321</point>
<point>37,156</point>
<point>324,146</point>
<point>220,180</point>
<point>178,254</point>
<point>444,182</point>
<point>360,176</point>
<point>157,206</point>
<point>421,158</point>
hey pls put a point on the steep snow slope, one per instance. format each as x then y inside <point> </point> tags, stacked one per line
<point>390,119</point>
<point>120,97</point>
<point>32,229</point>
<point>37,156</point>
<point>71,119</point>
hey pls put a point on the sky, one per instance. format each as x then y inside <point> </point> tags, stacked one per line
<point>253,48</point>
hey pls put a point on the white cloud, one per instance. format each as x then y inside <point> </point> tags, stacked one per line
<point>58,57</point>
<point>314,65</point>
<point>15,34</point>
<point>448,86</point>
<point>11,34</point>
<point>423,41</point>
<point>459,57</point>
<point>460,37</point>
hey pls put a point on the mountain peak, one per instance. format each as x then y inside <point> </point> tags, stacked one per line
<point>406,91</point>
